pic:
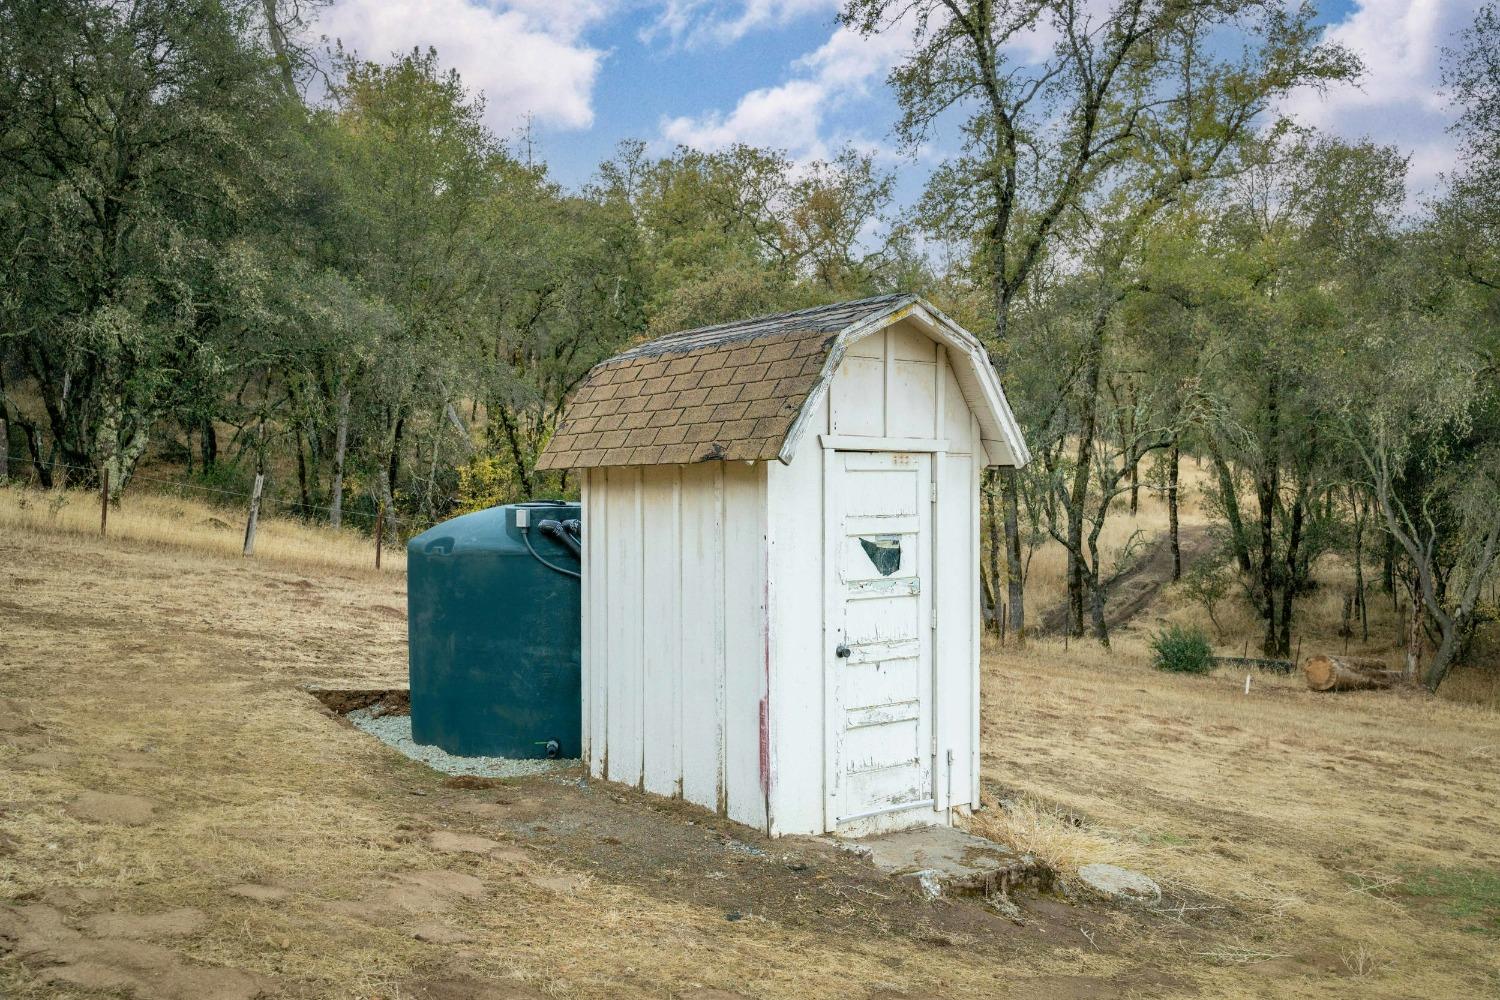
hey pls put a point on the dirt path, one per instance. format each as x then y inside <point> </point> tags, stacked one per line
<point>1136,587</point>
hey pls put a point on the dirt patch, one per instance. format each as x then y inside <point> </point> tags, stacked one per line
<point>472,781</point>
<point>461,843</point>
<point>433,932</point>
<point>387,612</point>
<point>170,923</point>
<point>47,760</point>
<point>423,893</point>
<point>466,988</point>
<point>39,935</point>
<point>342,701</point>
<point>105,807</point>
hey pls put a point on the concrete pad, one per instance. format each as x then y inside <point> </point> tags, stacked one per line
<point>943,860</point>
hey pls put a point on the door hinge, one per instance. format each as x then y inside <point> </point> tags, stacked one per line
<point>932,491</point>
<point>932,617</point>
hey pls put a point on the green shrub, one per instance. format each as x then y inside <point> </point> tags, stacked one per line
<point>1182,650</point>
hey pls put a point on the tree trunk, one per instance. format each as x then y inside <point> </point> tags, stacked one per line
<point>208,444</point>
<point>1447,653</point>
<point>992,549</point>
<point>1342,673</point>
<point>1078,493</point>
<point>302,475</point>
<point>393,475</point>
<point>4,449</point>
<point>1135,485</point>
<point>1014,570</point>
<point>1174,459</point>
<point>279,47</point>
<point>1292,574</point>
<point>1414,630</point>
<point>1229,499</point>
<point>340,443</point>
<point>34,447</point>
<point>1388,567</point>
<point>1096,593</point>
<point>989,610</point>
<point>1359,565</point>
<point>1268,490</point>
<point>517,454</point>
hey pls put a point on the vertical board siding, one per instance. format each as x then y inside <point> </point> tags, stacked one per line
<point>794,517</point>
<point>701,632</point>
<point>625,551</point>
<point>661,611</point>
<point>744,639</point>
<point>977,471</point>
<point>596,652</point>
<point>585,625</point>
<point>956,583</point>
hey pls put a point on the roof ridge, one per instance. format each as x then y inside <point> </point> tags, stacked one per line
<point>764,325</point>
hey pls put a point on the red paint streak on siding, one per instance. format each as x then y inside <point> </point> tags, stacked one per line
<point>765,701</point>
<point>765,746</point>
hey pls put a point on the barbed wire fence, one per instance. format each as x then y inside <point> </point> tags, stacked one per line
<point>257,502</point>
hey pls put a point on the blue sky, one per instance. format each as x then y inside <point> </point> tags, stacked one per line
<point>782,73</point>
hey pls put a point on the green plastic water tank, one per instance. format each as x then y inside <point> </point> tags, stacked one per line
<point>493,635</point>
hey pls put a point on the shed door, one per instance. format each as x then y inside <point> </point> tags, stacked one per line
<point>879,614</point>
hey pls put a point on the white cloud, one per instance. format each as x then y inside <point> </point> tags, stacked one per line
<point>526,56</point>
<point>1399,99</point>
<point>792,115</point>
<point>696,22</point>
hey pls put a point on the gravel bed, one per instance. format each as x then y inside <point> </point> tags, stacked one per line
<point>395,731</point>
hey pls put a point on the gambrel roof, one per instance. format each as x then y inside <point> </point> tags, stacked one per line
<point>740,391</point>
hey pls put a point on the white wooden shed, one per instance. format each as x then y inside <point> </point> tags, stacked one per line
<point>780,576</point>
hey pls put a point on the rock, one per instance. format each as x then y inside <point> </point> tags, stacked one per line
<point>1114,882</point>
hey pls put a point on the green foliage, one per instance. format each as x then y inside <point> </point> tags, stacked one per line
<point>1182,650</point>
<point>486,481</point>
<point>1469,895</point>
<point>1208,583</point>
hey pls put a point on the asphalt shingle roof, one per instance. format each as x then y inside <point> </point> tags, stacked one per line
<point>727,392</point>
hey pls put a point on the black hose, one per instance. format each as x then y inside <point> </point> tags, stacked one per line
<point>558,533</point>
<point>526,537</point>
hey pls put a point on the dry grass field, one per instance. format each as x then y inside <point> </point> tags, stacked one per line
<point>179,818</point>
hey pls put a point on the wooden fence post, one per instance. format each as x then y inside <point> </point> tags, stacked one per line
<point>379,531</point>
<point>103,500</point>
<point>260,480</point>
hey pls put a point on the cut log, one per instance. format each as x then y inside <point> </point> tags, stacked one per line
<point>1348,673</point>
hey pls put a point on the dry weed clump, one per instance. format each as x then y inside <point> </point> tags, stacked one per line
<point>1058,841</point>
